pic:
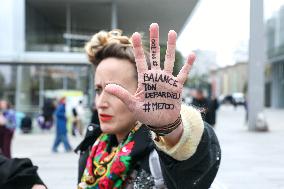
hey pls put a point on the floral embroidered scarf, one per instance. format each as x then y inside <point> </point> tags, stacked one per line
<point>107,167</point>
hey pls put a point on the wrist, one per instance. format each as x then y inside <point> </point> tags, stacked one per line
<point>173,138</point>
<point>172,128</point>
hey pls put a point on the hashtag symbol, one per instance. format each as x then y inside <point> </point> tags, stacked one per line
<point>146,107</point>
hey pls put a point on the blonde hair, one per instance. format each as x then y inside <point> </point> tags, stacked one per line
<point>110,44</point>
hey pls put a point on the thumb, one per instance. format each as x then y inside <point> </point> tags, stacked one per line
<point>122,94</point>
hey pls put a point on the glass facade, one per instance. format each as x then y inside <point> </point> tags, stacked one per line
<point>63,26</point>
<point>27,85</point>
<point>8,82</point>
<point>275,54</point>
<point>275,34</point>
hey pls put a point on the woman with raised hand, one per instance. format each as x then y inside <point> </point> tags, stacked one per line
<point>147,138</point>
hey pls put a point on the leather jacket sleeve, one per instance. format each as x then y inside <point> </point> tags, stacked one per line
<point>18,173</point>
<point>199,170</point>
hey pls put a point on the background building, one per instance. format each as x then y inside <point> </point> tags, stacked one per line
<point>275,52</point>
<point>42,41</point>
<point>230,79</point>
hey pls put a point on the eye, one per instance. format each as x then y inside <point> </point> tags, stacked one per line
<point>98,90</point>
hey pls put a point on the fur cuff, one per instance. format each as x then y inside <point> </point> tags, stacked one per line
<point>193,127</point>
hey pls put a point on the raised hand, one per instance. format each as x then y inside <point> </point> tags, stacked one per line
<point>157,101</point>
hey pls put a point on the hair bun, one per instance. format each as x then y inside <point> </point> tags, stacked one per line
<point>103,38</point>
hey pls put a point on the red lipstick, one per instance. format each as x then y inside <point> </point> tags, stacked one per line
<point>105,117</point>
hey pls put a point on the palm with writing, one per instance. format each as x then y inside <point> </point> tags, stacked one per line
<point>157,101</point>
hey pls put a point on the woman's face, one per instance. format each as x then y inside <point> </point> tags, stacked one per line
<point>115,118</point>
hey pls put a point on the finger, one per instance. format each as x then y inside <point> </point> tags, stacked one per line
<point>139,53</point>
<point>170,53</point>
<point>122,94</point>
<point>154,46</point>
<point>182,75</point>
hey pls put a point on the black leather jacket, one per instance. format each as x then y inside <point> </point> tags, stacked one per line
<point>18,173</point>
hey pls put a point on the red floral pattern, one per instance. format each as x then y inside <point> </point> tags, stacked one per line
<point>118,167</point>
<point>106,183</point>
<point>101,148</point>
<point>117,163</point>
<point>125,150</point>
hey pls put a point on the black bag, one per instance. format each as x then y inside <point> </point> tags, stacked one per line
<point>26,124</point>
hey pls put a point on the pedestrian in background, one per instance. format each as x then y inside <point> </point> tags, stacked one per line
<point>61,129</point>
<point>200,102</point>
<point>74,121</point>
<point>81,116</point>
<point>206,106</point>
<point>212,111</point>
<point>7,127</point>
<point>78,121</point>
<point>47,113</point>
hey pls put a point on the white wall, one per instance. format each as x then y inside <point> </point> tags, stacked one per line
<point>12,29</point>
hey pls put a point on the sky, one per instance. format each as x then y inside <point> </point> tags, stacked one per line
<point>221,26</point>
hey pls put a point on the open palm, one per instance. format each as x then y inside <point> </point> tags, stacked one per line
<point>157,101</point>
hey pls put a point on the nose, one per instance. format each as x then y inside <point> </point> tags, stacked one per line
<point>102,100</point>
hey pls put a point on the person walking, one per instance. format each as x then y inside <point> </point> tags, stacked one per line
<point>61,130</point>
<point>47,113</point>
<point>7,127</point>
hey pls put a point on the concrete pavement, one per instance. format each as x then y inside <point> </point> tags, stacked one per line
<point>57,170</point>
<point>250,160</point>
